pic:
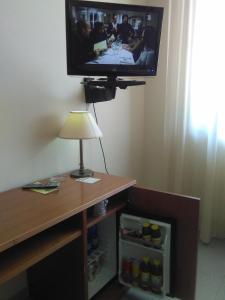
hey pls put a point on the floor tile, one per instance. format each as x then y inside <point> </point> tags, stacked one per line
<point>210,283</point>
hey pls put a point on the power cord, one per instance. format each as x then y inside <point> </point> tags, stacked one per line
<point>100,141</point>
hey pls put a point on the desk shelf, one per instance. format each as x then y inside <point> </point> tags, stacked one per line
<point>107,244</point>
<point>113,207</point>
<point>33,250</point>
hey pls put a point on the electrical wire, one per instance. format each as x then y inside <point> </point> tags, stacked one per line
<point>100,141</point>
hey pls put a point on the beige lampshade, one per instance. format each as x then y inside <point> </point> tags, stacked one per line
<point>80,125</point>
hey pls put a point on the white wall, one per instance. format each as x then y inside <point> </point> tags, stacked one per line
<point>155,104</point>
<point>36,96</point>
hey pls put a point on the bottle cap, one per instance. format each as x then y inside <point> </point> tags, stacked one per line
<point>146,225</point>
<point>157,262</point>
<point>155,227</point>
<point>145,259</point>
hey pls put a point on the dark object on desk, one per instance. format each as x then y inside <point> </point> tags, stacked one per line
<point>48,185</point>
<point>78,174</point>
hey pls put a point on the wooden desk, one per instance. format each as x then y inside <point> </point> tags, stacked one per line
<point>24,214</point>
<point>35,227</point>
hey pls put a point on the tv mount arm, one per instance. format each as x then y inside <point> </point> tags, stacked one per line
<point>104,89</point>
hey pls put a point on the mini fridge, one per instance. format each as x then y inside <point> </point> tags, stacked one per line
<point>145,257</point>
<point>139,239</point>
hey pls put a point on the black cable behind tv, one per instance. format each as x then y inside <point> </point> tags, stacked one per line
<point>104,89</point>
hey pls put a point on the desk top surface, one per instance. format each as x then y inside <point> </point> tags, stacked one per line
<point>24,213</point>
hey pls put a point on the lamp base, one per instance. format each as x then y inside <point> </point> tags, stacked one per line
<point>82,173</point>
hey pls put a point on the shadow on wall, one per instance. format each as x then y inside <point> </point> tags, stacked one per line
<point>34,104</point>
<point>46,128</point>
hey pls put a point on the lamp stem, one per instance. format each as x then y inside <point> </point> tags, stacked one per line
<point>81,173</point>
<point>81,157</point>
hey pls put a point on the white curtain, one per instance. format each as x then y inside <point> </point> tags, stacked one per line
<point>194,116</point>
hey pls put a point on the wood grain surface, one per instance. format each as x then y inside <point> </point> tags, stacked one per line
<point>24,213</point>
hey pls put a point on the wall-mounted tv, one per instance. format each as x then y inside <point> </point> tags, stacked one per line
<point>108,39</point>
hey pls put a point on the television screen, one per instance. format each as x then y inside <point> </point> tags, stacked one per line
<point>109,39</point>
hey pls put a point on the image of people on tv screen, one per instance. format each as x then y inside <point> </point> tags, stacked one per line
<point>113,37</point>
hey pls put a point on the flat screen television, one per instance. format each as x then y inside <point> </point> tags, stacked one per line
<point>109,39</point>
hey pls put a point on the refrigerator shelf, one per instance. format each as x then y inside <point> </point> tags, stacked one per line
<point>135,244</point>
<point>147,292</point>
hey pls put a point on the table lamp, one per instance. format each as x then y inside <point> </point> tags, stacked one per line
<point>80,125</point>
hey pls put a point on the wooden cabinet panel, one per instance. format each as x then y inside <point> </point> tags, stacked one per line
<point>185,210</point>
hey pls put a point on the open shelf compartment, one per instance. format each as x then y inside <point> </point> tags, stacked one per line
<point>107,245</point>
<point>27,253</point>
<point>112,208</point>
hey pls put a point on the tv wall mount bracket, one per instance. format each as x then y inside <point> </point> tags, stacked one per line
<point>104,89</point>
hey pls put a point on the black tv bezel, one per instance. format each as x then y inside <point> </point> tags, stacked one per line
<point>121,70</point>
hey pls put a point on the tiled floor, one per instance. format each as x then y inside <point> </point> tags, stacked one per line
<point>211,271</point>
